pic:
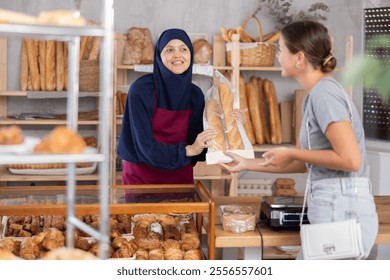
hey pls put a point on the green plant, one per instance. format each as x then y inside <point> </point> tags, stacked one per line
<point>284,12</point>
<point>371,70</point>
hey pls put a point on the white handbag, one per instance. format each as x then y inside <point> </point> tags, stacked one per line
<point>330,241</point>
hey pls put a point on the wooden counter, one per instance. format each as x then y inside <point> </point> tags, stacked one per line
<point>225,239</point>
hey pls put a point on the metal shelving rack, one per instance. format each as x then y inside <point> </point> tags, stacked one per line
<point>72,36</point>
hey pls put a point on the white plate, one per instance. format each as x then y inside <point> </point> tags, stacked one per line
<point>25,148</point>
<point>53,171</point>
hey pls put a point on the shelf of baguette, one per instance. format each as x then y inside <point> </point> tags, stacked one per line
<point>154,222</point>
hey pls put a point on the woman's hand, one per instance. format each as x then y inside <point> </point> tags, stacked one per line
<point>201,142</point>
<point>278,157</point>
<point>238,163</point>
<point>240,115</point>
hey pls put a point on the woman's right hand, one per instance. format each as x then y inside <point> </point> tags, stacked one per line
<point>201,142</point>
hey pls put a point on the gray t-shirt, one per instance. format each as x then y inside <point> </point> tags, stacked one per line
<point>327,103</point>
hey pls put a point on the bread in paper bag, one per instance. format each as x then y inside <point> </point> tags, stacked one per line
<point>221,100</point>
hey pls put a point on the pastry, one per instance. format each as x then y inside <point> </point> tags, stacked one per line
<point>142,254</point>
<point>61,140</point>
<point>83,244</point>
<point>170,243</point>
<point>193,255</point>
<point>171,232</point>
<point>156,254</point>
<point>69,254</point>
<point>190,241</point>
<point>173,254</point>
<point>245,37</point>
<point>11,135</point>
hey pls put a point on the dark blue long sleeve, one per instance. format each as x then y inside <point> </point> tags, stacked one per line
<point>137,143</point>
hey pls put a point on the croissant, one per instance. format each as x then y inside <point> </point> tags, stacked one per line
<point>193,255</point>
<point>173,254</point>
<point>156,254</point>
<point>142,254</point>
<point>190,241</point>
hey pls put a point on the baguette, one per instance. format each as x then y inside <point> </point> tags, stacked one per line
<point>42,63</point>
<point>263,112</point>
<point>224,34</point>
<point>83,46</point>
<point>244,105</point>
<point>254,109</point>
<point>59,66</point>
<point>213,117</point>
<point>66,70</point>
<point>233,134</point>
<point>50,65</point>
<point>95,49</point>
<point>33,64</point>
<point>274,38</point>
<point>274,115</point>
<point>245,37</point>
<point>119,105</point>
<point>88,48</point>
<point>24,67</point>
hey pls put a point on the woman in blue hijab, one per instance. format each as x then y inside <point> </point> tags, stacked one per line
<point>162,134</point>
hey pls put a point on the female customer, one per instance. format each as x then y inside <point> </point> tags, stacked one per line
<point>332,127</point>
<point>162,133</point>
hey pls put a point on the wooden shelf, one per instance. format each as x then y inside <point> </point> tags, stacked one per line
<point>46,94</point>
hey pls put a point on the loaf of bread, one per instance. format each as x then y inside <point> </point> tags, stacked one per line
<point>61,17</point>
<point>50,65</point>
<point>213,117</point>
<point>202,51</point>
<point>95,49</point>
<point>87,48</point>
<point>83,46</point>
<point>59,66</point>
<point>263,111</point>
<point>42,63</point>
<point>32,53</point>
<point>23,66</point>
<point>234,138</point>
<point>244,105</point>
<point>147,55</point>
<point>66,69</point>
<point>11,135</point>
<point>133,47</point>
<point>254,110</point>
<point>274,114</point>
<point>245,37</point>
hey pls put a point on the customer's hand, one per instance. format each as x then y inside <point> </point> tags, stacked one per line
<point>278,157</point>
<point>237,164</point>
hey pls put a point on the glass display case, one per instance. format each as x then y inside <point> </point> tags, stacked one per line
<point>137,199</point>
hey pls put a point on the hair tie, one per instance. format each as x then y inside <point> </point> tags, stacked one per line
<point>329,57</point>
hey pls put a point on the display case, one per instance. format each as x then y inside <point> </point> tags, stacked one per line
<point>140,199</point>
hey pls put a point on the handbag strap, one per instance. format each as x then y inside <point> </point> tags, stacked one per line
<point>308,181</point>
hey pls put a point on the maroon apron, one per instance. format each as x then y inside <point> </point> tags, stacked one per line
<point>169,127</point>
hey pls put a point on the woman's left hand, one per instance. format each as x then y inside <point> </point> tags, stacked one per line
<point>278,157</point>
<point>240,115</point>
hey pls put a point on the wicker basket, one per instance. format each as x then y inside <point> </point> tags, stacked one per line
<point>254,54</point>
<point>89,75</point>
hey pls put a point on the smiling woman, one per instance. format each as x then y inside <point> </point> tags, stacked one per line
<point>156,143</point>
<point>176,56</point>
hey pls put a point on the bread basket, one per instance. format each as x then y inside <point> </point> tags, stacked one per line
<point>254,54</point>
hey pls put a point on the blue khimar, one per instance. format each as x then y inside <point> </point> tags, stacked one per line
<point>165,90</point>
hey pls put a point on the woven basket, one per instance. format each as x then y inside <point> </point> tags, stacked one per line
<point>89,75</point>
<point>257,53</point>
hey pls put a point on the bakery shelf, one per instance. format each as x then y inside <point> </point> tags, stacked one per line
<point>54,31</point>
<point>46,94</point>
<point>7,176</point>
<point>52,158</point>
<point>8,121</point>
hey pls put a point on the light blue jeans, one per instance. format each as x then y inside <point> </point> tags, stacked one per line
<point>335,200</point>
